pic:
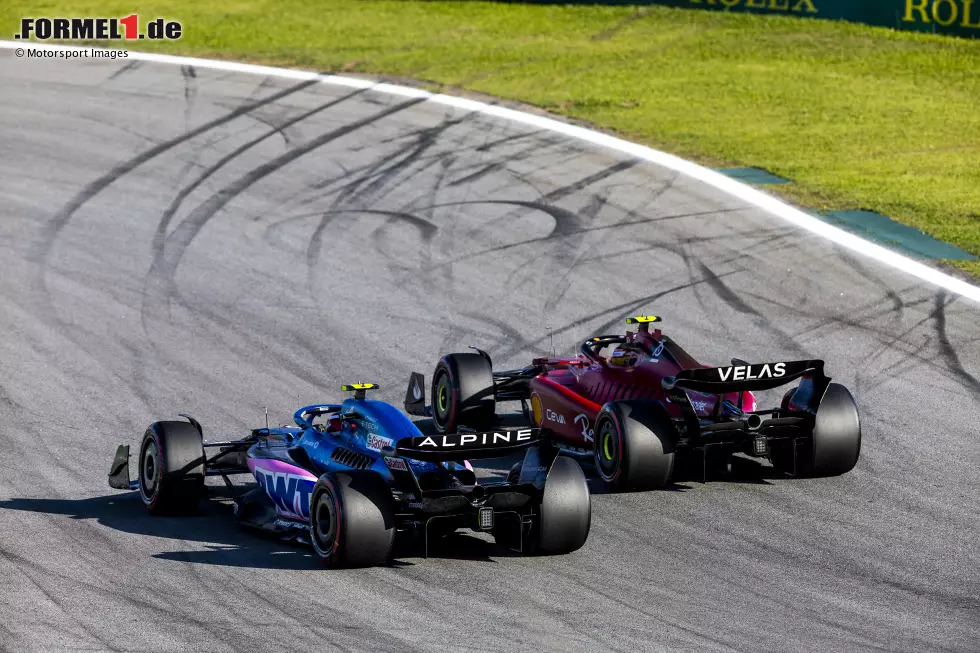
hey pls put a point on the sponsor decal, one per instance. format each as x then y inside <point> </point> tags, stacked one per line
<point>416,390</point>
<point>416,505</point>
<point>699,405</point>
<point>583,422</point>
<point>794,6</point>
<point>366,419</point>
<point>752,372</point>
<point>552,416</point>
<point>535,468</point>
<point>377,442</point>
<point>100,29</point>
<point>396,463</point>
<point>659,350</point>
<point>290,492</point>
<point>963,13</point>
<point>488,438</point>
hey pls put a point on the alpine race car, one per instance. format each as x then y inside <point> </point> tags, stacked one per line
<point>650,402</point>
<point>351,477</point>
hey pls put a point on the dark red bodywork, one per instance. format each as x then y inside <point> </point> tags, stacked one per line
<point>567,395</point>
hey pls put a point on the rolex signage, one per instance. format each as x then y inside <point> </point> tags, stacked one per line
<point>961,17</point>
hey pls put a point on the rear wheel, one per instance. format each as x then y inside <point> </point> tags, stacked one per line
<point>634,442</point>
<point>835,445</point>
<point>565,511</point>
<point>352,519</point>
<point>171,467</point>
<point>462,393</point>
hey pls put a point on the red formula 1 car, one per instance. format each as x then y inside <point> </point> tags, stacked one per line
<point>650,402</point>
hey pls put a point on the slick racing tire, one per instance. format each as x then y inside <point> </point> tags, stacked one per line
<point>634,445</point>
<point>462,393</point>
<point>565,511</point>
<point>835,445</point>
<point>171,467</point>
<point>352,519</point>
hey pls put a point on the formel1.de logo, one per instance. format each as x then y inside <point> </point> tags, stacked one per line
<point>98,29</point>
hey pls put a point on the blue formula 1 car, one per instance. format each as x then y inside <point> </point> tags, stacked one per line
<point>351,477</point>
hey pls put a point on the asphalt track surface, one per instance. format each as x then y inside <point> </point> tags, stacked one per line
<point>179,240</point>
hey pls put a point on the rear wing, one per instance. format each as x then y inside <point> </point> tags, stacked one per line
<point>469,445</point>
<point>760,376</point>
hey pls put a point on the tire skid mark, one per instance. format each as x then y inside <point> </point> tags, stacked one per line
<point>374,187</point>
<point>442,168</point>
<point>46,310</point>
<point>621,312</point>
<point>532,241</point>
<point>163,608</point>
<point>888,340</point>
<point>946,348</point>
<point>160,235</point>
<point>855,264</point>
<point>562,192</point>
<point>160,278</point>
<point>130,66</point>
<point>175,204</point>
<point>355,177</point>
<point>696,636</point>
<point>427,230</point>
<point>190,90</point>
<point>592,212</point>
<point>56,601</point>
<point>485,170</point>
<point>97,186</point>
<point>507,140</point>
<point>378,182</point>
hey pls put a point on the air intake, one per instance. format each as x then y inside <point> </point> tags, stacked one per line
<point>350,458</point>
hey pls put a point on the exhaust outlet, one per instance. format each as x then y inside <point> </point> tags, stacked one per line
<point>753,422</point>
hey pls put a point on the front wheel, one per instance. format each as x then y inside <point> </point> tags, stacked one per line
<point>462,393</point>
<point>352,519</point>
<point>171,467</point>
<point>634,445</point>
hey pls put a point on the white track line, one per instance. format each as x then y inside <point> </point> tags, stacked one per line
<point>737,189</point>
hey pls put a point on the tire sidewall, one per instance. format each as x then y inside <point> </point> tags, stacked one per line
<point>325,493</point>
<point>445,370</point>
<point>152,439</point>
<point>611,417</point>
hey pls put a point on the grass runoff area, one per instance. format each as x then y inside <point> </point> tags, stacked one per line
<point>858,117</point>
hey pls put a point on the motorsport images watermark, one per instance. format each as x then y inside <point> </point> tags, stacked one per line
<point>101,29</point>
<point>81,53</point>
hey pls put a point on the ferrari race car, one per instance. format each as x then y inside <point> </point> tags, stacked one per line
<point>351,477</point>
<point>633,412</point>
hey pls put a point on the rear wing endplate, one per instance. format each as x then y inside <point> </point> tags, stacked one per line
<point>415,396</point>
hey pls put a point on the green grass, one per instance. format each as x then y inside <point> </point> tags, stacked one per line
<point>858,117</point>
